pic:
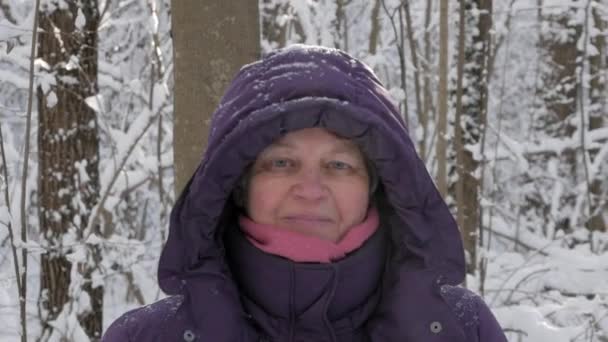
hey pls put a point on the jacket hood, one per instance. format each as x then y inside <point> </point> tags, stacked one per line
<point>290,89</point>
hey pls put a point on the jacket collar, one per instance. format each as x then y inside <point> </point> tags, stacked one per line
<point>287,298</point>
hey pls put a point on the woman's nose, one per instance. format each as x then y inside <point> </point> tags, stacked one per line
<point>309,185</point>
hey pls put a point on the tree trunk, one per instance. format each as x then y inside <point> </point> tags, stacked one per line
<point>441,148</point>
<point>68,176</point>
<point>374,32</point>
<point>558,53</point>
<point>477,26</point>
<point>561,54</point>
<point>272,31</point>
<point>212,40</point>
<point>341,25</point>
<point>597,111</point>
<point>427,98</point>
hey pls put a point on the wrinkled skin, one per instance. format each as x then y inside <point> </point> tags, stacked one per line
<point>310,181</point>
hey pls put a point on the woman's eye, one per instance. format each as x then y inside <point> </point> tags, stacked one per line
<point>339,165</point>
<point>280,163</point>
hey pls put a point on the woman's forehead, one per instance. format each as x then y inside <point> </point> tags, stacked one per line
<point>314,136</point>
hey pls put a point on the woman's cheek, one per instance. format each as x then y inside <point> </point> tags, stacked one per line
<point>264,193</point>
<point>356,192</point>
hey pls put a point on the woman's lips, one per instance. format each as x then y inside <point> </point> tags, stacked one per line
<point>309,218</point>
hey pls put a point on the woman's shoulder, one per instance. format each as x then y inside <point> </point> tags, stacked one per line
<point>153,322</point>
<point>473,313</point>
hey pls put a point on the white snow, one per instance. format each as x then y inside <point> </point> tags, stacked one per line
<point>543,282</point>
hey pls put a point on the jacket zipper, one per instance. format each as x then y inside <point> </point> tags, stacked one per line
<point>292,305</point>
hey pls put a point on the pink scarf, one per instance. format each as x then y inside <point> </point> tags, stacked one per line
<point>300,247</point>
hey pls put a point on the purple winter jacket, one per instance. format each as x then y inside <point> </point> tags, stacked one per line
<point>401,285</point>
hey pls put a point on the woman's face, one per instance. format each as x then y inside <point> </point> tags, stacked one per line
<point>310,181</point>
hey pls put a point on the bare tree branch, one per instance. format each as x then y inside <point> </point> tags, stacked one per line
<point>422,114</point>
<point>26,152</point>
<point>493,51</point>
<point>122,162</point>
<point>402,65</point>
<point>8,206</point>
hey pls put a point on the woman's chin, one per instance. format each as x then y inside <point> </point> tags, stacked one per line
<point>323,229</point>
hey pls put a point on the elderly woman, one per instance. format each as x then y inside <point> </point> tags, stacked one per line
<point>310,218</point>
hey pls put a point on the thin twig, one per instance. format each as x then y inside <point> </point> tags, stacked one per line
<point>422,115</point>
<point>117,171</point>
<point>403,68</point>
<point>104,10</point>
<point>523,280</point>
<point>499,129</point>
<point>493,52</point>
<point>489,61</point>
<point>515,239</point>
<point>8,206</point>
<point>537,251</point>
<point>26,152</point>
<point>402,65</point>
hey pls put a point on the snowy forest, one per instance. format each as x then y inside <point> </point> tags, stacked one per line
<point>506,101</point>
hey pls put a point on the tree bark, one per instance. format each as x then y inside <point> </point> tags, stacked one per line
<point>597,112</point>
<point>341,25</point>
<point>374,32</point>
<point>212,40</point>
<point>441,147</point>
<point>272,31</point>
<point>68,176</point>
<point>427,98</point>
<point>561,54</point>
<point>477,18</point>
<point>558,53</point>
